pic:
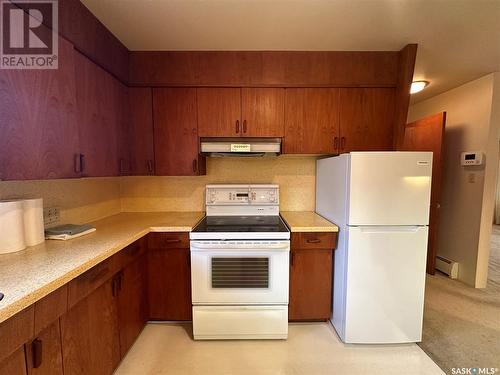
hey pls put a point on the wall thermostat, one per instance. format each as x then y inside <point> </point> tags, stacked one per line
<point>471,158</point>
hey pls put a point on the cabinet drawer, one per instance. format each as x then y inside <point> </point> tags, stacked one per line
<point>50,308</point>
<point>130,253</point>
<point>15,331</point>
<point>314,240</point>
<point>86,283</point>
<point>173,240</point>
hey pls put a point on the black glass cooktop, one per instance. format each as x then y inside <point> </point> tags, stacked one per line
<point>241,224</point>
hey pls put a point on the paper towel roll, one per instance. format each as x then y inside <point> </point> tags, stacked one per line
<point>11,226</point>
<point>33,221</point>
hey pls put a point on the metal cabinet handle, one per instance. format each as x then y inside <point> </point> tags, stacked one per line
<point>166,241</point>
<point>237,126</point>
<point>195,165</point>
<point>313,241</point>
<point>342,143</point>
<point>36,348</point>
<point>77,163</point>
<point>336,143</point>
<point>122,163</point>
<point>150,166</point>
<point>244,126</point>
<point>82,163</point>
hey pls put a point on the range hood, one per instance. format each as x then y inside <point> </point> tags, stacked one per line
<point>240,147</point>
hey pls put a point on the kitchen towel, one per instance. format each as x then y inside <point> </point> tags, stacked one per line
<point>11,226</point>
<point>33,221</point>
<point>68,231</point>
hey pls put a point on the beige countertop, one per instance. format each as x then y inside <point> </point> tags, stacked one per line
<point>307,221</point>
<point>31,274</point>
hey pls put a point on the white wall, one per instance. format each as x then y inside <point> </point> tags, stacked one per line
<point>468,194</point>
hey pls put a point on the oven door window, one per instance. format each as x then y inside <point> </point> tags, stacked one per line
<point>234,273</point>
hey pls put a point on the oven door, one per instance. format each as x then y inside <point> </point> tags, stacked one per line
<point>240,273</point>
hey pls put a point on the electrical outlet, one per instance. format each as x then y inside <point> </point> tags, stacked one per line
<point>51,215</point>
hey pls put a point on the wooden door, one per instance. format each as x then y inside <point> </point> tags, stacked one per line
<point>132,303</point>
<point>311,121</point>
<point>169,284</point>
<point>310,284</point>
<point>44,353</point>
<point>427,134</point>
<point>141,130</point>
<point>89,334</point>
<point>38,121</point>
<point>366,119</point>
<point>262,112</point>
<point>95,93</point>
<point>14,364</point>
<point>219,112</point>
<point>176,133</point>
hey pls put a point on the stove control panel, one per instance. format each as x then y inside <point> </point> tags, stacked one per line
<point>235,195</point>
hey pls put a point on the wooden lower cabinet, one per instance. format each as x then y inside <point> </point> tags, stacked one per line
<point>14,364</point>
<point>44,353</point>
<point>311,279</point>
<point>90,334</point>
<point>132,303</point>
<point>169,283</point>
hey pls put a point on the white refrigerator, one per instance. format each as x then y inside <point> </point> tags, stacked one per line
<point>380,201</point>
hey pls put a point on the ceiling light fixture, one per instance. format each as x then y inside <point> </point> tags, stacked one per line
<point>417,86</point>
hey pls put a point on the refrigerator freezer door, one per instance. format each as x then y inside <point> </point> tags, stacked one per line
<point>389,188</point>
<point>385,284</point>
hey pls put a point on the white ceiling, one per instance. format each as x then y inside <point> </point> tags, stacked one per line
<point>459,40</point>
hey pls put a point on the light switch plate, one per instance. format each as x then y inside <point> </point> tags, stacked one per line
<point>51,216</point>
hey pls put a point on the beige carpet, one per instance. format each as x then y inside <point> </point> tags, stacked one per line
<point>462,324</point>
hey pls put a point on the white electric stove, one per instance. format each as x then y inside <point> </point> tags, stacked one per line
<point>239,265</point>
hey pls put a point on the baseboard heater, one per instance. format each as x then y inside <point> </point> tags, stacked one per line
<point>447,266</point>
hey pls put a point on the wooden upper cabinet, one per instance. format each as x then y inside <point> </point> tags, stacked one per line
<point>366,119</point>
<point>262,112</point>
<point>98,128</point>
<point>141,130</point>
<point>176,133</point>
<point>219,112</point>
<point>311,121</point>
<point>38,121</point>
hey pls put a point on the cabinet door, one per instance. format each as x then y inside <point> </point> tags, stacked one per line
<point>169,283</point>
<point>38,121</point>
<point>89,331</point>
<point>219,112</point>
<point>176,133</point>
<point>95,93</point>
<point>43,354</point>
<point>121,122</point>
<point>311,121</point>
<point>262,112</point>
<point>14,364</point>
<point>366,119</point>
<point>141,129</point>
<point>132,303</point>
<point>310,284</point>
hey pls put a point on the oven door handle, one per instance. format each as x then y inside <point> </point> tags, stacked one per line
<point>269,248</point>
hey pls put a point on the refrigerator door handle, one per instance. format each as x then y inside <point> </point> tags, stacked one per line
<point>390,228</point>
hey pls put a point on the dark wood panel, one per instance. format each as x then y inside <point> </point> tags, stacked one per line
<point>311,121</point>
<point>50,308</point>
<point>98,128</point>
<point>15,331</point>
<point>91,37</point>
<point>44,353</point>
<point>174,240</point>
<point>314,240</point>
<point>310,285</point>
<point>132,302</point>
<point>366,119</point>
<point>262,112</point>
<point>406,66</point>
<point>15,364</point>
<point>141,128</point>
<point>219,112</point>
<point>176,132</point>
<point>90,336</point>
<point>169,284</point>
<point>38,121</point>
<point>121,120</point>
<point>269,68</point>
